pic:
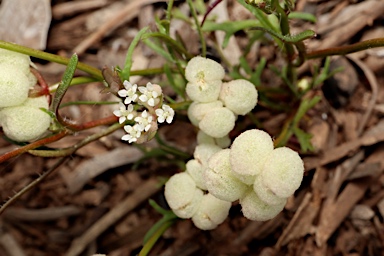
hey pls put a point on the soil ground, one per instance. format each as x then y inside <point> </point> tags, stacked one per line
<point>97,202</point>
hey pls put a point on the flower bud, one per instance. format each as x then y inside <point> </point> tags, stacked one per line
<point>240,96</point>
<point>211,212</point>
<point>219,179</point>
<point>255,209</point>
<point>197,110</point>
<point>195,169</point>
<point>25,122</point>
<point>182,195</point>
<point>283,171</point>
<point>14,85</point>
<point>218,122</point>
<point>249,152</point>
<point>202,69</point>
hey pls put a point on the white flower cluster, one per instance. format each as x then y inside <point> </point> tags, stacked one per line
<point>150,97</point>
<point>251,170</point>
<point>20,117</point>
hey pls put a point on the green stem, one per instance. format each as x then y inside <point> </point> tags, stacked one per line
<point>152,241</point>
<point>343,50</point>
<point>74,148</point>
<point>199,30</point>
<point>32,145</point>
<point>50,57</point>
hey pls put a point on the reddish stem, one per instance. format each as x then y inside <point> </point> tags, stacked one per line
<point>32,145</point>
<point>79,127</point>
<point>43,84</point>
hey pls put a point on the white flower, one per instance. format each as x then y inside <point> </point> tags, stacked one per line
<point>124,113</point>
<point>166,113</point>
<point>148,94</point>
<point>133,133</point>
<point>129,92</point>
<point>144,121</point>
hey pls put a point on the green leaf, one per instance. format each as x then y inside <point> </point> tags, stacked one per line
<point>302,16</point>
<point>126,72</point>
<point>304,139</point>
<point>64,84</point>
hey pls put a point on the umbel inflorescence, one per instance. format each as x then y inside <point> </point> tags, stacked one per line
<point>143,122</point>
<point>250,170</point>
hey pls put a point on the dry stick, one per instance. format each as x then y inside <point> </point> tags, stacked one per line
<point>10,244</point>
<point>125,15</point>
<point>32,184</point>
<point>374,87</point>
<point>137,197</point>
<point>46,214</point>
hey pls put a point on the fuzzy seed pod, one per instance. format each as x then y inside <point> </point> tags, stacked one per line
<point>195,169</point>
<point>17,60</point>
<point>14,85</point>
<point>218,122</point>
<point>202,69</point>
<point>204,151</point>
<point>182,195</point>
<point>283,171</point>
<point>205,91</point>
<point>26,122</point>
<point>248,154</point>
<point>255,209</point>
<point>211,212</point>
<point>265,194</point>
<point>223,142</point>
<point>219,179</point>
<point>197,110</point>
<point>240,96</point>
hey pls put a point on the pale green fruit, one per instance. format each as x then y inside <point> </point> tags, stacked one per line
<point>201,69</point>
<point>254,208</point>
<point>14,85</point>
<point>239,95</point>
<point>197,110</point>
<point>218,122</point>
<point>26,122</point>
<point>205,91</point>
<point>17,60</point>
<point>211,212</point>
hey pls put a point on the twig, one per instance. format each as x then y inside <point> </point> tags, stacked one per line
<point>125,15</point>
<point>139,195</point>
<point>46,214</point>
<point>374,87</point>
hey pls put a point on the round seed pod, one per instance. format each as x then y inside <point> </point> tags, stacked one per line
<point>265,194</point>
<point>204,151</point>
<point>283,171</point>
<point>211,212</point>
<point>25,122</point>
<point>240,96</point>
<point>14,86</point>
<point>197,110</point>
<point>218,122</point>
<point>223,142</point>
<point>195,169</point>
<point>204,91</point>
<point>182,195</point>
<point>219,179</point>
<point>254,208</point>
<point>248,154</point>
<point>200,68</point>
<point>19,61</point>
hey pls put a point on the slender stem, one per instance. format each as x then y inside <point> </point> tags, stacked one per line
<point>199,30</point>
<point>32,184</point>
<point>32,145</point>
<point>80,127</point>
<point>151,242</point>
<point>71,150</point>
<point>50,57</point>
<point>343,50</point>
